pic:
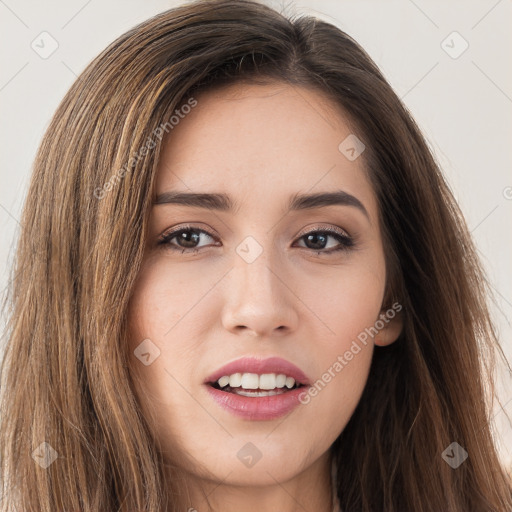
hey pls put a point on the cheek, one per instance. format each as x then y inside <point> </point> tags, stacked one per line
<point>161,297</point>
<point>348,311</point>
<point>167,317</point>
<point>155,311</point>
<point>168,307</point>
<point>346,299</point>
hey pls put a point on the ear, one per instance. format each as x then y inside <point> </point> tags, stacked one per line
<point>393,325</point>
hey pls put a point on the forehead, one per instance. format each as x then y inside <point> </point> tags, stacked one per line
<point>251,140</point>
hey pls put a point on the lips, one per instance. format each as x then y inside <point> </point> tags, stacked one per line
<point>276,365</point>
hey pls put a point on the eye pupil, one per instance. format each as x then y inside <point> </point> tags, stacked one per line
<point>189,237</point>
<point>314,238</point>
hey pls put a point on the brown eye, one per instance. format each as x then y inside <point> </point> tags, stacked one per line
<point>319,241</point>
<point>184,239</point>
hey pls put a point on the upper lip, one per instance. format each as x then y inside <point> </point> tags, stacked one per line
<point>255,365</point>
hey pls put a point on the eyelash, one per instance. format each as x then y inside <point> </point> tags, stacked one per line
<point>346,242</point>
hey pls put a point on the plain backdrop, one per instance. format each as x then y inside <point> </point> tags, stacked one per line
<point>448,61</point>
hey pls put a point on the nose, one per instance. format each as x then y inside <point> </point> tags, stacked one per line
<point>259,299</point>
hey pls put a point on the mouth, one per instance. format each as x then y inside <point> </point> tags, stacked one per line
<point>247,386</point>
<point>254,377</point>
<point>257,389</point>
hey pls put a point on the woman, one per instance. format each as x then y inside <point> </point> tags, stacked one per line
<point>243,284</point>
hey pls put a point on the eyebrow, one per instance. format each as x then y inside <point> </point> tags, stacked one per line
<point>222,202</point>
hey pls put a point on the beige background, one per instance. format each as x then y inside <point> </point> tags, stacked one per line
<point>463,104</point>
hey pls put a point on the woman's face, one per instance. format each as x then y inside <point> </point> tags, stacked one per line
<point>261,273</point>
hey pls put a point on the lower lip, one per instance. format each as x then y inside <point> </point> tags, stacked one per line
<point>257,408</point>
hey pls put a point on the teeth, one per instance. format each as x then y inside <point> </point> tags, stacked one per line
<point>266,381</point>
<point>224,381</point>
<point>250,381</point>
<point>253,394</point>
<point>280,380</point>
<point>235,380</point>
<point>290,382</point>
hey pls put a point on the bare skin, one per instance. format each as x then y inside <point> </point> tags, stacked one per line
<point>260,145</point>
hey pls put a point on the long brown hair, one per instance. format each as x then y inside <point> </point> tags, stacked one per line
<point>65,373</point>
